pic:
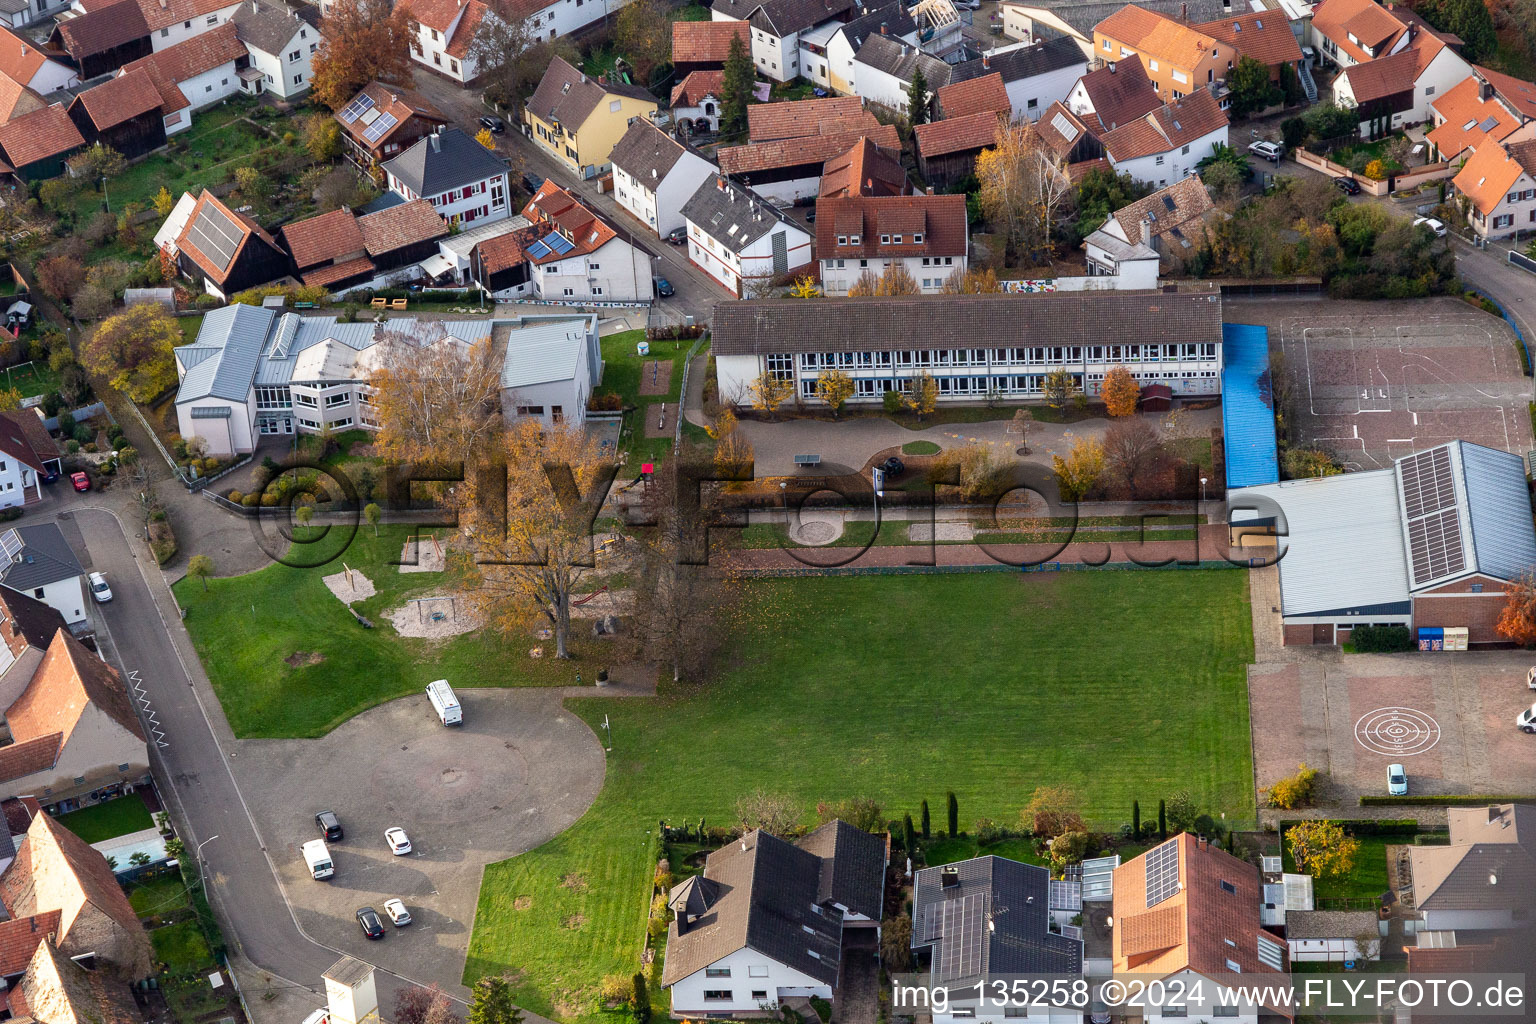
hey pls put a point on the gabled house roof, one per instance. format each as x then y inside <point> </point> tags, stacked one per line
<point>957,134</point>
<point>399,226</point>
<point>778,899</point>
<point>119,100</point>
<point>864,170</point>
<point>1489,175</point>
<point>690,92</point>
<point>20,58</point>
<point>102,28</point>
<point>34,137</point>
<point>56,990</point>
<point>795,119</point>
<point>27,622</point>
<point>320,239</point>
<point>891,20</point>
<point>445,160</point>
<point>732,215</point>
<point>877,220</point>
<point>1157,35</point>
<point>16,99</point>
<point>1120,92</point>
<point>988,916</point>
<point>1383,77</point>
<point>14,440</point>
<point>1188,904</point>
<point>1490,862</point>
<point>1265,36</point>
<point>35,556</point>
<point>707,42</point>
<point>570,97</point>
<point>1170,218</point>
<point>20,937</point>
<point>1167,128</point>
<point>1062,130</point>
<point>987,94</point>
<point>187,59</point>
<point>902,60</point>
<point>215,236</point>
<point>812,149</point>
<point>159,14</point>
<point>1517,93</point>
<point>269,25</point>
<point>67,681</point>
<point>1021,62</point>
<point>234,336</point>
<point>377,100</point>
<point>1471,118</point>
<point>783,17</point>
<point>646,153</point>
<point>503,252</point>
<point>557,211</point>
<point>440,15</point>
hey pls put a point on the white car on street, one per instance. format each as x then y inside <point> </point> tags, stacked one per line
<point>395,910</point>
<point>99,588</point>
<point>1397,780</point>
<point>399,843</point>
<point>1433,225</point>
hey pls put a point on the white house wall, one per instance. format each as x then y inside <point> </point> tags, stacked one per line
<point>16,479</point>
<point>1446,71</point>
<point>66,596</point>
<point>750,972</point>
<point>788,191</point>
<point>52,76</point>
<point>1029,97</point>
<point>286,75</point>
<point>838,275</point>
<point>617,272</point>
<point>566,16</point>
<point>660,204</point>
<point>184,30</point>
<point>208,88</point>
<point>1175,164</point>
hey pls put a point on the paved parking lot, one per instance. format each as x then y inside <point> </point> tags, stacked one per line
<point>520,770</point>
<point>1376,381</point>
<point>1447,718</point>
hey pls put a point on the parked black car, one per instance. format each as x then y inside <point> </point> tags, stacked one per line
<point>664,288</point>
<point>677,236</point>
<point>893,466</point>
<point>494,125</point>
<point>329,826</point>
<point>532,182</point>
<point>1349,186</point>
<point>368,920</point>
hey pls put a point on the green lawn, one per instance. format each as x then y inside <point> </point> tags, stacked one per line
<point>1369,878</point>
<point>1121,685</point>
<point>109,820</point>
<point>246,627</point>
<point>32,379</point>
<point>622,367</point>
<point>182,948</point>
<point>189,325</point>
<point>158,896</point>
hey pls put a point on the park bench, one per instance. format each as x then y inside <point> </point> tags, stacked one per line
<point>807,460</point>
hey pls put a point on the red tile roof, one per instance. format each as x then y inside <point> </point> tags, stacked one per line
<point>119,100</point>
<point>690,92</point>
<point>1469,120</point>
<point>28,757</point>
<point>940,219</point>
<point>31,423</point>
<point>14,440</point>
<point>503,252</point>
<point>209,264</point>
<point>68,680</point>
<point>396,100</point>
<point>469,27</point>
<point>337,272</point>
<point>160,14</point>
<point>812,149</point>
<point>329,236</point>
<point>186,59</point>
<point>19,939</point>
<point>1489,175</point>
<point>39,135</point>
<point>440,15</point>
<point>1372,24</point>
<point>400,226</point>
<point>987,94</point>
<point>1120,91</point>
<point>707,42</point>
<point>552,207</point>
<point>1387,76</point>
<point>1062,130</point>
<point>102,28</point>
<point>19,58</point>
<point>1157,36</point>
<point>1167,128</point>
<point>796,119</point>
<point>95,884</point>
<point>1265,36</point>
<point>1519,94</point>
<point>16,99</point>
<point>866,170</point>
<point>957,134</point>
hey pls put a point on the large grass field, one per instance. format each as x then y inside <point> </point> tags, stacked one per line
<point>247,627</point>
<point>1121,685</point>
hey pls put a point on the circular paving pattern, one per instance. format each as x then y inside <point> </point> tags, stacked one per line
<point>816,532</point>
<point>1397,732</point>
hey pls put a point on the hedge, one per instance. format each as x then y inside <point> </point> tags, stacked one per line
<point>1443,800</point>
<point>1369,826</point>
<point>1381,639</point>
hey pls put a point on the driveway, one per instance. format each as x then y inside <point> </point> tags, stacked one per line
<point>519,771</point>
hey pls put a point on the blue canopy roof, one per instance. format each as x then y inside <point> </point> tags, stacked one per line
<point>1248,407</point>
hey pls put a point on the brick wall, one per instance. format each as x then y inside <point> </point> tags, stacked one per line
<point>1298,636</point>
<point>1478,612</point>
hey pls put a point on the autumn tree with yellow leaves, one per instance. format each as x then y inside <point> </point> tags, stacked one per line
<point>834,387</point>
<point>768,391</point>
<point>1080,470</point>
<point>922,396</point>
<point>1023,185</point>
<point>1120,392</point>
<point>436,400</point>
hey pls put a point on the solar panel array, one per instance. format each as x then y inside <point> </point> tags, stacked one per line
<point>1488,125</point>
<point>381,125</point>
<point>1067,129</point>
<point>1162,872</point>
<point>1434,522</point>
<point>11,544</point>
<point>215,235</point>
<point>963,926</point>
<point>354,110</point>
<point>552,243</point>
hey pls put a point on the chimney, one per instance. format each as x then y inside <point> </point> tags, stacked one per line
<point>1201,841</point>
<point>1484,89</point>
<point>23,49</point>
<point>1184,11</point>
<point>719,183</point>
<point>949,877</point>
<point>883,29</point>
<point>1111,67</point>
<point>986,62</point>
<point>437,143</point>
<point>929,191</point>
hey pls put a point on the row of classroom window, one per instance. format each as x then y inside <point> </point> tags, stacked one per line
<point>1052,355</point>
<point>1013,384</point>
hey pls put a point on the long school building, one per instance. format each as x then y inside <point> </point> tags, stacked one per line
<point>976,347</point>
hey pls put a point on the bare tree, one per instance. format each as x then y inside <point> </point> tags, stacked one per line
<point>771,812</point>
<point>509,55</point>
<point>1129,447</point>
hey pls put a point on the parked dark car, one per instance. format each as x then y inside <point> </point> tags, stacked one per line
<point>1349,186</point>
<point>532,183</point>
<point>368,920</point>
<point>893,466</point>
<point>329,826</point>
<point>494,125</point>
<point>664,288</point>
<point>677,236</point>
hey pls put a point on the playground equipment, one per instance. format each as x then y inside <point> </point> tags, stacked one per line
<point>423,615</point>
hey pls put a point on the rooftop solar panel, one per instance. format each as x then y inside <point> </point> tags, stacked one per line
<point>1067,129</point>
<point>557,243</point>
<point>963,927</point>
<point>538,250</point>
<point>1427,482</point>
<point>1434,546</point>
<point>1162,866</point>
<point>380,127</point>
<point>215,235</point>
<point>352,111</point>
<point>10,543</point>
<point>1488,125</point>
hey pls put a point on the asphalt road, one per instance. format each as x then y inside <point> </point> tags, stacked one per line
<point>186,731</point>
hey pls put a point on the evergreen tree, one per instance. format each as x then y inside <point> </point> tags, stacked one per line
<point>1135,819</point>
<point>1162,820</point>
<point>491,1002</point>
<point>1229,840</point>
<point>736,88</point>
<point>954,815</point>
<point>908,836</point>
<point>917,99</point>
<point>925,819</point>
<point>640,1002</point>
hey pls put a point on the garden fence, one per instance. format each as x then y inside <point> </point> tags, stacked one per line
<point>921,570</point>
<point>160,447</point>
<point>682,398</point>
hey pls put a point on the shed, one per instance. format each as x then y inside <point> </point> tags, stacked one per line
<point>1248,407</point>
<point>1156,398</point>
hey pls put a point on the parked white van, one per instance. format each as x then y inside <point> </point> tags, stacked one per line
<point>318,859</point>
<point>445,702</point>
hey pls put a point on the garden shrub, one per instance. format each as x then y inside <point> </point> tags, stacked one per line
<point>235,496</point>
<point>1296,790</point>
<point>1381,639</point>
<point>989,832</point>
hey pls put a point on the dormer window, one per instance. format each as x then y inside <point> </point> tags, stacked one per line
<point>842,239</point>
<point>896,239</point>
<point>1228,887</point>
<point>853,239</point>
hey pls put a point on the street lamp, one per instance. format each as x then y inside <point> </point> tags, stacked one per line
<point>1202,490</point>
<point>784,501</point>
<point>197,855</point>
